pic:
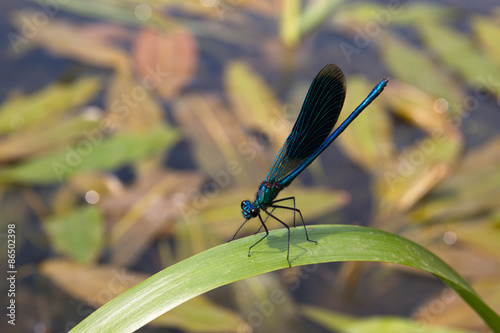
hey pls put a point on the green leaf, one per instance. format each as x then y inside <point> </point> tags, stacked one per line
<point>220,143</point>
<point>473,190</point>
<point>116,11</point>
<point>42,107</point>
<point>201,315</point>
<point>254,101</point>
<point>79,234</point>
<point>94,152</point>
<point>37,141</point>
<point>365,14</point>
<point>411,65</point>
<point>418,13</point>
<point>488,34</point>
<point>290,23</point>
<point>460,53</point>
<point>388,324</point>
<point>316,13</point>
<point>229,262</point>
<point>416,171</point>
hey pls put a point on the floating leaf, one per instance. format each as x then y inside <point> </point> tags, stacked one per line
<point>416,106</point>
<point>453,311</point>
<point>488,33</point>
<point>409,64</point>
<point>416,171</point>
<point>96,285</point>
<point>466,260</point>
<point>151,205</point>
<point>44,107</point>
<point>469,245</point>
<point>104,183</point>
<point>222,148</point>
<point>78,234</point>
<point>192,237</point>
<point>127,13</point>
<point>220,10</point>
<point>255,103</point>
<point>460,53</point>
<point>68,40</point>
<point>290,23</point>
<point>95,152</point>
<point>27,143</point>
<point>367,14</point>
<point>92,284</point>
<point>315,13</point>
<point>202,315</point>
<point>130,105</point>
<point>166,61</point>
<point>270,297</point>
<point>473,189</point>
<point>337,322</point>
<point>482,236</point>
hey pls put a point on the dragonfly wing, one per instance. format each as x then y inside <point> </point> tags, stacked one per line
<point>316,119</point>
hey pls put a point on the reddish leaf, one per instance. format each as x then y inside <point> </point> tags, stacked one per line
<point>166,61</point>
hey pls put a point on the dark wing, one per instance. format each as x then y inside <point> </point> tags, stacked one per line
<point>317,117</point>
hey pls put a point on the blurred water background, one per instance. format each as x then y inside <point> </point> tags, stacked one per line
<point>130,131</point>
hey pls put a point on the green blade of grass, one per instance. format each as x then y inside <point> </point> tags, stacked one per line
<point>229,262</point>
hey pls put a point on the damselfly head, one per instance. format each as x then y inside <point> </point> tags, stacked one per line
<point>249,210</point>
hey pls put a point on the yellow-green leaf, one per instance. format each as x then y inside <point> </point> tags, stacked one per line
<point>461,54</point>
<point>337,322</point>
<point>290,22</point>
<point>94,152</point>
<point>74,41</point>
<point>43,107</point>
<point>40,140</point>
<point>78,234</point>
<point>411,65</point>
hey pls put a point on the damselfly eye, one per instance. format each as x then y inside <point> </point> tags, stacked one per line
<point>254,212</point>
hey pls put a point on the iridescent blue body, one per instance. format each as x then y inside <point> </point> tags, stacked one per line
<point>309,137</point>
<point>266,194</point>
